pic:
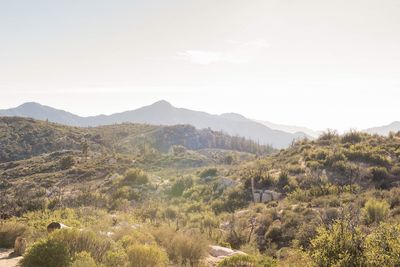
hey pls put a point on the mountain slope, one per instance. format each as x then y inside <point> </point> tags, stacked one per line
<point>22,138</point>
<point>386,129</point>
<point>163,113</point>
<point>290,128</point>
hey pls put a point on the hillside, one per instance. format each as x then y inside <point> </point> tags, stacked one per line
<point>321,192</point>
<point>163,113</point>
<point>22,138</point>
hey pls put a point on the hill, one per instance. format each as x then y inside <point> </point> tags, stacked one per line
<point>163,113</point>
<point>22,138</point>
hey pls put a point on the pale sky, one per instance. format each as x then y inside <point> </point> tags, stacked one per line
<point>315,63</point>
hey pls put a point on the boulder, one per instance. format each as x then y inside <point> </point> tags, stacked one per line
<point>218,251</point>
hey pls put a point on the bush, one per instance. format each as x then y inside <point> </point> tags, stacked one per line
<point>211,172</point>
<point>383,246</point>
<point>379,173</point>
<point>352,137</point>
<point>78,241</point>
<point>181,248</point>
<point>47,253</point>
<point>9,231</point>
<point>136,176</point>
<point>180,185</point>
<point>67,162</point>
<point>115,258</point>
<point>342,245</point>
<point>238,260</point>
<point>375,211</point>
<point>146,256</point>
<point>83,259</point>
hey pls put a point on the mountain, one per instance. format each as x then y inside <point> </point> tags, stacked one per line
<point>290,128</point>
<point>163,113</point>
<point>386,129</point>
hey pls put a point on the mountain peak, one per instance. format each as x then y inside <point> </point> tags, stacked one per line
<point>162,103</point>
<point>30,104</point>
<point>233,116</point>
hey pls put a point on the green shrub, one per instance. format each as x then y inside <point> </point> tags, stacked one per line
<point>115,258</point>
<point>146,256</point>
<point>136,176</point>
<point>47,253</point>
<point>83,259</point>
<point>383,246</point>
<point>9,231</point>
<point>375,211</point>
<point>341,245</point>
<point>180,185</point>
<point>78,241</point>
<point>238,260</point>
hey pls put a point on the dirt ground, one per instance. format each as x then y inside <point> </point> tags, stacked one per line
<point>6,260</point>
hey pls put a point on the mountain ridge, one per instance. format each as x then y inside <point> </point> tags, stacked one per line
<point>163,113</point>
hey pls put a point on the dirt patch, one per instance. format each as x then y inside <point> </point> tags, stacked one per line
<point>6,260</point>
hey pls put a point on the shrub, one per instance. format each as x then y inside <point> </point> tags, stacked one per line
<point>188,249</point>
<point>83,259</point>
<point>383,246</point>
<point>136,176</point>
<point>181,248</point>
<point>395,170</point>
<point>238,260</point>
<point>180,185</point>
<point>352,137</point>
<point>78,241</point>
<point>67,162</point>
<point>47,253</point>
<point>211,172</point>
<point>375,211</point>
<point>341,245</point>
<point>379,173</point>
<point>146,256</point>
<point>115,258</point>
<point>9,231</point>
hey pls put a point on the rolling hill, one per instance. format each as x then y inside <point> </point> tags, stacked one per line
<point>21,138</point>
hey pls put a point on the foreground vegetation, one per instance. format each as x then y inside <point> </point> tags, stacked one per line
<point>339,204</point>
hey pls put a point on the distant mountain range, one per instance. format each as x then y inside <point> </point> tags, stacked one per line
<point>290,128</point>
<point>163,113</point>
<point>386,129</point>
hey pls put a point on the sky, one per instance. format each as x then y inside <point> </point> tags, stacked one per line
<point>315,63</point>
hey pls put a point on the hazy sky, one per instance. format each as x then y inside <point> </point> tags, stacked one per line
<point>321,64</point>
